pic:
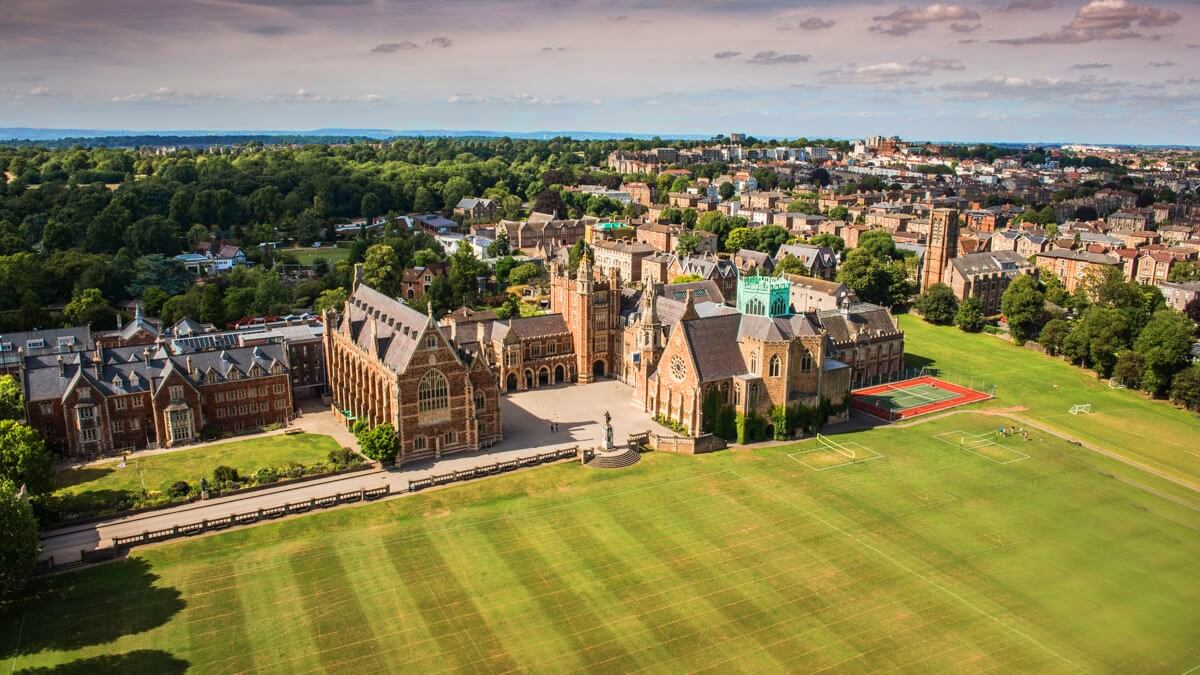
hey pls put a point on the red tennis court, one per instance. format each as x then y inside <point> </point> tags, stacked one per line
<point>910,398</point>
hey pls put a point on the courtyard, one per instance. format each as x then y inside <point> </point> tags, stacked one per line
<point>578,410</point>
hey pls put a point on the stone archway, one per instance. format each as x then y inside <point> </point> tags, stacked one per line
<point>598,368</point>
<point>529,378</point>
<point>510,383</point>
<point>543,376</point>
<point>559,374</point>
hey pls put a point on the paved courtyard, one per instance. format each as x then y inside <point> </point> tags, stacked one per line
<point>579,412</point>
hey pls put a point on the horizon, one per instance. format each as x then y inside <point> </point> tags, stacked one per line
<point>1105,72</point>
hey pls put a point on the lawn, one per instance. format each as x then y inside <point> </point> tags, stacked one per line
<point>930,557</point>
<point>90,488</point>
<point>306,255</point>
<point>1152,433</point>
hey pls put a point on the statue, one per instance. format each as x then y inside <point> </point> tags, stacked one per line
<point>608,431</point>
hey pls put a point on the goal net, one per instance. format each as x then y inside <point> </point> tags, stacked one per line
<point>835,446</point>
<point>1115,383</point>
<point>1080,408</point>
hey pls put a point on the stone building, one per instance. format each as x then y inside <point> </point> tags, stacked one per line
<point>526,352</point>
<point>1072,267</point>
<point>821,261</point>
<point>98,402</point>
<point>986,276</point>
<point>389,363</point>
<point>866,338</point>
<point>543,231</point>
<point>709,268</point>
<point>590,304</point>
<point>942,246</point>
<point>623,257</point>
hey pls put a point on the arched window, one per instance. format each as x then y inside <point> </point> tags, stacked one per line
<point>754,306</point>
<point>775,366</point>
<point>419,443</point>
<point>430,341</point>
<point>806,361</point>
<point>433,394</point>
<point>778,306</point>
<point>479,400</point>
<point>451,437</point>
<point>753,362</point>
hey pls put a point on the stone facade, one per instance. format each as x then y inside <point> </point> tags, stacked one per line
<point>590,304</point>
<point>986,276</point>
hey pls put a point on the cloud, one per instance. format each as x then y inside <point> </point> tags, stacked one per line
<point>773,58</point>
<point>1030,5</point>
<point>305,96</point>
<point>553,49</point>
<point>1091,66</point>
<point>440,41</point>
<point>890,72</point>
<point>168,95</point>
<point>967,41</point>
<point>1104,20</point>
<point>1193,45</point>
<point>726,55</point>
<point>393,47</point>
<point>1161,64</point>
<point>270,30</point>
<point>933,63</point>
<point>909,19</point>
<point>965,27</point>
<point>467,98</point>
<point>811,23</point>
<point>621,18</point>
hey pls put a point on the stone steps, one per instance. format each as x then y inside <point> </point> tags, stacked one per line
<point>615,460</point>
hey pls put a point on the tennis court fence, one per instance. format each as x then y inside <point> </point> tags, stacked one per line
<point>975,383</point>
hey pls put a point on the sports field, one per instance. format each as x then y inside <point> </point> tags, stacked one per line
<point>912,398</point>
<point>909,397</point>
<point>1154,434</point>
<point>932,556</point>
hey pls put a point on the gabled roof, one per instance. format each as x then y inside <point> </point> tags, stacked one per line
<point>384,326</point>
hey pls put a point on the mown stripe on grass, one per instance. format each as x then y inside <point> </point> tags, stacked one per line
<point>337,624</point>
<point>462,634</point>
<point>587,634</point>
<point>218,619</point>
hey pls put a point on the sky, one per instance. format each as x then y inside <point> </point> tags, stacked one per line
<point>1098,71</point>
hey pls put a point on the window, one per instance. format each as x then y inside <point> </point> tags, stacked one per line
<point>754,362</point>
<point>419,443</point>
<point>280,404</point>
<point>47,409</point>
<point>753,398</point>
<point>120,403</point>
<point>118,426</point>
<point>806,362</point>
<point>241,409</point>
<point>678,369</point>
<point>87,413</point>
<point>135,424</point>
<point>278,389</point>
<point>480,401</point>
<point>35,344</point>
<point>775,366</point>
<point>220,397</point>
<point>88,435</point>
<point>451,438</point>
<point>262,391</point>
<point>433,394</point>
<point>430,341</point>
<point>6,346</point>
<point>176,392</point>
<point>220,413</point>
<point>66,341</point>
<point>552,347</point>
<point>138,402</point>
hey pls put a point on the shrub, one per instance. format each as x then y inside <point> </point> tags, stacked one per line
<point>179,488</point>
<point>342,457</point>
<point>293,470</point>
<point>223,475</point>
<point>266,476</point>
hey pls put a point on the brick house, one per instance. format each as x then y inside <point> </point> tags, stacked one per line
<point>1071,267</point>
<point>985,276</point>
<point>476,210</point>
<point>415,281</point>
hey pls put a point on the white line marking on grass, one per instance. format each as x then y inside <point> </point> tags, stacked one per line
<point>1191,670</point>
<point>849,444</point>
<point>867,545</point>
<point>980,440</point>
<point>17,649</point>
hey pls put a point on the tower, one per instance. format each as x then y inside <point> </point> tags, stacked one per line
<point>942,246</point>
<point>590,306</point>
<point>764,296</point>
<point>649,342</point>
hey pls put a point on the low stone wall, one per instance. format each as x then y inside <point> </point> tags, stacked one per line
<point>687,445</point>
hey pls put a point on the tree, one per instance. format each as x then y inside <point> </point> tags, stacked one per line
<point>969,317</point>
<point>1052,336</point>
<point>1185,388</point>
<point>1023,305</point>
<point>503,267</point>
<point>726,190</point>
<point>1129,369</point>
<point>333,299</point>
<point>876,280</point>
<point>24,459</point>
<point>19,541</point>
<point>1184,271</point>
<point>197,234</point>
<point>369,207</point>
<point>771,237</point>
<point>499,246</point>
<point>838,213</point>
<point>379,443</point>
<point>831,240</point>
<point>549,201</point>
<point>153,234</point>
<point>687,278</point>
<point>212,305</point>
<point>576,253</point>
<point>524,274</point>
<point>381,269</point>
<point>741,238</point>
<point>1165,346</point>
<point>713,221</point>
<point>790,264</point>
<point>88,307</point>
<point>510,308</point>
<point>455,190</point>
<point>686,244</point>
<point>12,400</point>
<point>465,272</point>
<point>270,295</point>
<point>938,305</point>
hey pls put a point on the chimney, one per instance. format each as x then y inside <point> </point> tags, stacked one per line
<point>191,370</point>
<point>62,369</point>
<point>146,355</point>
<point>97,364</point>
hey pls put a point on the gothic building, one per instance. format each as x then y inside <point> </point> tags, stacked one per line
<point>590,304</point>
<point>389,363</point>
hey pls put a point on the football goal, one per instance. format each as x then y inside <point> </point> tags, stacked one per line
<point>835,446</point>
<point>1115,383</point>
<point>1080,408</point>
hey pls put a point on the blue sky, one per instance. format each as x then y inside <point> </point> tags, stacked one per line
<point>1114,71</point>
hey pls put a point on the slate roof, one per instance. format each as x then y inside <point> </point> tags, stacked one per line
<point>862,319</point>
<point>384,326</point>
<point>75,338</point>
<point>530,327</point>
<point>989,261</point>
<point>808,254</point>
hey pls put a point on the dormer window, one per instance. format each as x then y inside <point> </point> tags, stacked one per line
<point>36,343</point>
<point>430,341</point>
<point>66,340</point>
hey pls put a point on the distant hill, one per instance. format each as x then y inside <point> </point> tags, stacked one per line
<point>198,136</point>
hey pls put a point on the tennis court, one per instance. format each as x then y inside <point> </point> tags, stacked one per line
<point>909,398</point>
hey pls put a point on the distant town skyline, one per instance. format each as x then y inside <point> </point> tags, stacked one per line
<point>1104,71</point>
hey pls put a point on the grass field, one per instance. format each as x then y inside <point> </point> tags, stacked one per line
<point>101,482</point>
<point>931,557</point>
<point>307,254</point>
<point>1154,433</point>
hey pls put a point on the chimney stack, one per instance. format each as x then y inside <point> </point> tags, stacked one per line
<point>62,369</point>
<point>146,356</point>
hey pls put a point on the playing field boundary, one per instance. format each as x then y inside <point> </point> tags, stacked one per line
<point>986,439</point>
<point>965,396</point>
<point>861,454</point>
